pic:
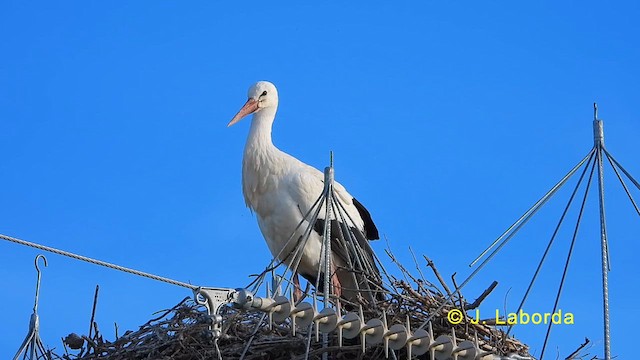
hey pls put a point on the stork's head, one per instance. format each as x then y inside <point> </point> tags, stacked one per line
<point>262,95</point>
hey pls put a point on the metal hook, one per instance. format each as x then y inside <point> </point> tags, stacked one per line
<point>32,346</point>
<point>44,261</point>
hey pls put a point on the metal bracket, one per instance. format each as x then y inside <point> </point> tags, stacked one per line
<point>213,299</point>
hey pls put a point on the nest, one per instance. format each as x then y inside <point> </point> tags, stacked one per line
<point>182,332</point>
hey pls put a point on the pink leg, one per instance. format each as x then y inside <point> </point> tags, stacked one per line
<point>297,291</point>
<point>335,282</point>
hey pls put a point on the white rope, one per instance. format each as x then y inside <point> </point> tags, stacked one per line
<point>97,262</point>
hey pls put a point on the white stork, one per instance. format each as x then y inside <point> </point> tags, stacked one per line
<point>281,189</point>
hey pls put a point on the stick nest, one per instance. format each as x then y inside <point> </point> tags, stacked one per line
<point>182,332</point>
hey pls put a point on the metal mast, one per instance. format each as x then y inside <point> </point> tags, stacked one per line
<point>597,154</point>
<point>598,138</point>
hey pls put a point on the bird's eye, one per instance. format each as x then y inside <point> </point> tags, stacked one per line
<point>264,93</point>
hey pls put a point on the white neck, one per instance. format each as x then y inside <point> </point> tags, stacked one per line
<point>260,132</point>
<point>261,159</point>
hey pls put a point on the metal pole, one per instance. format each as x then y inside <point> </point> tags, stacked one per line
<point>598,138</point>
<point>326,239</point>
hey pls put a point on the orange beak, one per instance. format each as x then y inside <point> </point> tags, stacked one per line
<point>249,107</point>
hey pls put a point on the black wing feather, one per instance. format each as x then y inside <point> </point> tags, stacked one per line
<point>370,229</point>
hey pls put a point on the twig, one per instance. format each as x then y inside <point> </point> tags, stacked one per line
<point>415,261</point>
<point>461,302</point>
<point>93,311</point>
<point>482,296</point>
<point>573,354</point>
<point>437,273</point>
<point>405,273</point>
<point>167,312</point>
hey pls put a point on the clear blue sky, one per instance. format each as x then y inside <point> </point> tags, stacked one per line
<point>448,120</point>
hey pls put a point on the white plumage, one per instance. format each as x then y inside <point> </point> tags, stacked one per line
<point>280,189</point>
